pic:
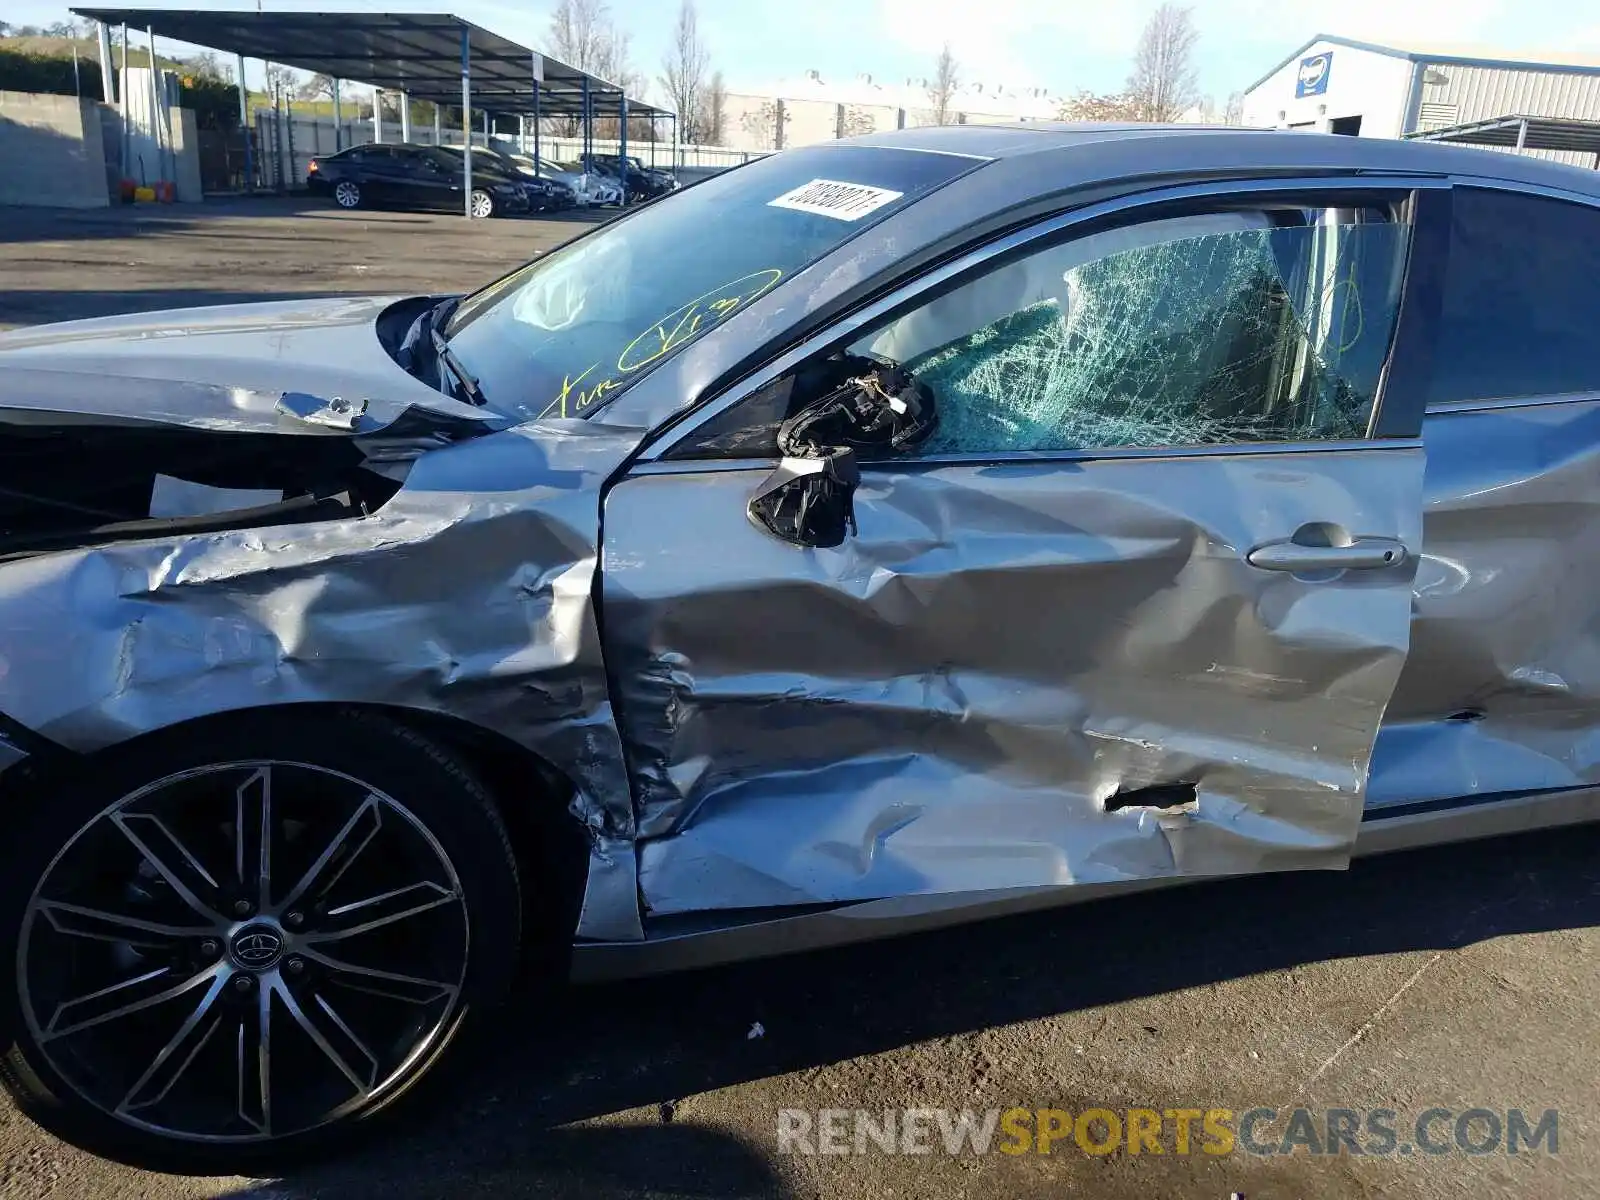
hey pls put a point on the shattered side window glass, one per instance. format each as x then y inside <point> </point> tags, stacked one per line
<point>1236,327</point>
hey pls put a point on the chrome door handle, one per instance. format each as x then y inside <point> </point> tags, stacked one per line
<point>1359,554</point>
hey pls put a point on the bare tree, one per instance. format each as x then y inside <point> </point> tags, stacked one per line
<point>855,120</point>
<point>318,87</point>
<point>766,123</point>
<point>1162,83</point>
<point>714,111</point>
<point>944,85</point>
<point>206,64</point>
<point>1233,114</point>
<point>282,79</point>
<point>684,72</point>
<point>1086,106</point>
<point>578,30</point>
<point>583,35</point>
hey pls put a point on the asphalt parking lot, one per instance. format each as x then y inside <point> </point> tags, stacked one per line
<point>57,265</point>
<point>1457,978</point>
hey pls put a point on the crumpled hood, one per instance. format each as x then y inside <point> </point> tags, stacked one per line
<point>236,359</point>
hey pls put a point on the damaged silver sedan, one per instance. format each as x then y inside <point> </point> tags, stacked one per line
<point>880,534</point>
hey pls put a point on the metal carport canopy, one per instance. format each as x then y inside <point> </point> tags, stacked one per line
<point>1527,133</point>
<point>417,53</point>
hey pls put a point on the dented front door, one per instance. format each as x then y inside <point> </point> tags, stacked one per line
<point>1035,665</point>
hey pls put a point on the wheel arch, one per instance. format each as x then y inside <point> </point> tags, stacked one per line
<point>531,794</point>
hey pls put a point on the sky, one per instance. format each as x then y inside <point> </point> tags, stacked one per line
<point>1062,45</point>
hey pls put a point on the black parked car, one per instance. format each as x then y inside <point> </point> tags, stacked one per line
<point>408,176</point>
<point>549,195</point>
<point>545,194</point>
<point>644,183</point>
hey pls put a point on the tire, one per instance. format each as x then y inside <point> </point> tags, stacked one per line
<point>483,204</point>
<point>347,194</point>
<point>389,922</point>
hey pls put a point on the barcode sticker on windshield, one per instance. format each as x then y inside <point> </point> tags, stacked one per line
<point>830,198</point>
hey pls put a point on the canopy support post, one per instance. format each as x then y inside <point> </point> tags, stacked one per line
<point>536,161</point>
<point>466,120</point>
<point>108,83</point>
<point>622,145</point>
<point>588,129</point>
<point>122,103</point>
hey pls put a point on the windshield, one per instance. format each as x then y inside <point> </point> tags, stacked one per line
<point>580,325</point>
<point>490,162</point>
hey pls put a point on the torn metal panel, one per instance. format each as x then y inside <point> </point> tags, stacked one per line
<point>468,593</point>
<point>177,365</point>
<point>1503,684</point>
<point>947,701</point>
<point>35,396</point>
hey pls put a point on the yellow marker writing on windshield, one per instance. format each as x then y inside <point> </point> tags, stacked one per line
<point>568,383</point>
<point>663,337</point>
<point>682,323</point>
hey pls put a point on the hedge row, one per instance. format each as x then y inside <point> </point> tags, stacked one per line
<point>214,101</point>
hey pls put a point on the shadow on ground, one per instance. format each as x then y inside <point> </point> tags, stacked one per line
<point>28,224</point>
<point>496,1120</point>
<point>682,1161</point>
<point>18,224</point>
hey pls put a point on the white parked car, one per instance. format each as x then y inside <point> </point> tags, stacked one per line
<point>600,189</point>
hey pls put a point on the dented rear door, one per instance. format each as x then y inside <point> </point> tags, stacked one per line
<point>1135,610</point>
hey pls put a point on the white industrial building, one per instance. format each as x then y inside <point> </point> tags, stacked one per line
<point>800,112</point>
<point>1339,85</point>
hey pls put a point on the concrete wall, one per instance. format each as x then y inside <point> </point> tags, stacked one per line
<point>186,156</point>
<point>111,148</point>
<point>51,152</point>
<point>163,140</point>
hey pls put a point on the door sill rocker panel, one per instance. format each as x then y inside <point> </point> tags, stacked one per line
<point>710,939</point>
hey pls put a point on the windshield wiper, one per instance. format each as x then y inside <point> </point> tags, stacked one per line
<point>431,322</point>
<point>443,354</point>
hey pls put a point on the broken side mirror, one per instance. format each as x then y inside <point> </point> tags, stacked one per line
<point>809,501</point>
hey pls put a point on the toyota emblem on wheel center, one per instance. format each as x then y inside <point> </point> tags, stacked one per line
<point>257,947</point>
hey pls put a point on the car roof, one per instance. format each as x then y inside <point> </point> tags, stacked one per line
<point>1109,151</point>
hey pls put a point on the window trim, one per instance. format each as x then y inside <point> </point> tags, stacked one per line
<point>700,466</point>
<point>1419,303</point>
<point>1536,400</point>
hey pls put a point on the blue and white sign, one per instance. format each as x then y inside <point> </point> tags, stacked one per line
<point>1313,77</point>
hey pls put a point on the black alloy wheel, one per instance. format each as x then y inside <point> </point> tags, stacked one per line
<point>229,947</point>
